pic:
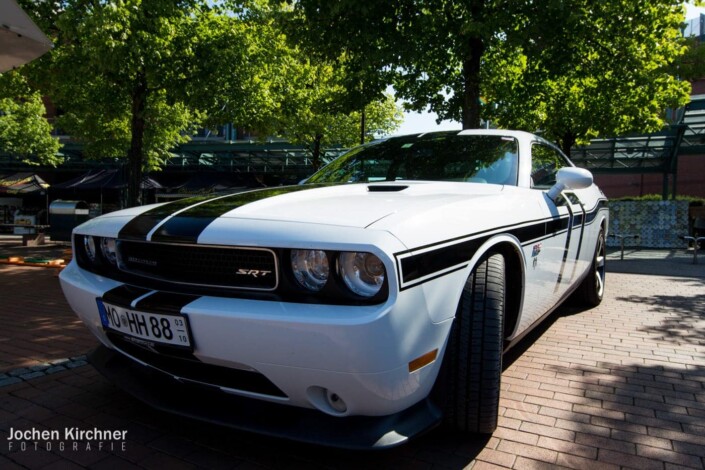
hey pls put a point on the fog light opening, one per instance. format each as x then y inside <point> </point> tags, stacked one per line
<point>335,402</point>
<point>327,401</point>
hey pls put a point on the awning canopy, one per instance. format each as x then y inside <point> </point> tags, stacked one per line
<point>21,41</point>
<point>22,183</point>
<point>104,179</point>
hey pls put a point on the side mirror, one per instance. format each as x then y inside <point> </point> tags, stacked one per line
<point>570,178</point>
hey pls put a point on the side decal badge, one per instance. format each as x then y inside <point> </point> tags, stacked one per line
<point>535,254</point>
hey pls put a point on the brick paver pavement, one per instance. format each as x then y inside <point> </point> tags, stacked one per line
<point>36,324</point>
<point>621,385</point>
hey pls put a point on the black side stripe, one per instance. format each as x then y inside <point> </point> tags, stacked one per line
<point>425,264</point>
<point>571,218</point>
<point>414,267</point>
<point>592,213</point>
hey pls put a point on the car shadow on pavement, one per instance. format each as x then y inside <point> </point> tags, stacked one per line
<point>83,399</point>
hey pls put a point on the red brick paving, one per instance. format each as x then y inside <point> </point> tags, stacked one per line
<point>36,323</point>
<point>622,385</point>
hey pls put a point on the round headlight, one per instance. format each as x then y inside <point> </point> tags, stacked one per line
<point>107,246</point>
<point>310,268</point>
<point>363,273</point>
<point>89,248</point>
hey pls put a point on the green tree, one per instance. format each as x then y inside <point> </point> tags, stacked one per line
<point>24,131</point>
<point>432,50</point>
<point>135,77</point>
<point>553,66</point>
<point>691,65</point>
<point>314,113</point>
<point>361,65</point>
<point>585,69</point>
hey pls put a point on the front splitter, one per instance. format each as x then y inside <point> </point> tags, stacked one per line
<point>165,393</point>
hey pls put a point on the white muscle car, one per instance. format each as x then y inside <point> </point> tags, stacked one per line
<point>358,309</point>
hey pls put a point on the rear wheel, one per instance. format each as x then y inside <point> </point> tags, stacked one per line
<point>592,289</point>
<point>468,385</point>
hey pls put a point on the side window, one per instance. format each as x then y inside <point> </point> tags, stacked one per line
<point>545,162</point>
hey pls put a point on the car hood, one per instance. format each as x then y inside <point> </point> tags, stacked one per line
<point>360,205</point>
<point>389,207</point>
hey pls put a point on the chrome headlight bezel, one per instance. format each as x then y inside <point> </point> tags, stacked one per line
<point>108,248</point>
<point>96,254</point>
<point>311,268</point>
<point>90,249</point>
<point>362,272</point>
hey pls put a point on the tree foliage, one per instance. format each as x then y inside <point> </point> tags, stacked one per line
<point>572,68</point>
<point>313,113</point>
<point>584,69</point>
<point>24,130</point>
<point>327,39</point>
<point>431,50</point>
<point>691,65</point>
<point>137,77</point>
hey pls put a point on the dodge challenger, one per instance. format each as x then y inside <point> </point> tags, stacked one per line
<point>360,308</point>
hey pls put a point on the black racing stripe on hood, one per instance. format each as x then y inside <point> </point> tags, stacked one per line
<point>189,224</point>
<point>140,226</point>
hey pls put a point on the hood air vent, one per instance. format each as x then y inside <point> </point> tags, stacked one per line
<point>386,188</point>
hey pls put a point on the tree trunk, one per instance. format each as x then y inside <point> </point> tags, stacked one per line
<point>316,153</point>
<point>566,142</point>
<point>362,126</point>
<point>135,155</point>
<point>471,77</point>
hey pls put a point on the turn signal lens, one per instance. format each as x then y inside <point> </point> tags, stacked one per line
<point>424,360</point>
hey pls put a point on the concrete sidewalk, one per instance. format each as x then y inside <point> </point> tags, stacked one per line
<point>618,386</point>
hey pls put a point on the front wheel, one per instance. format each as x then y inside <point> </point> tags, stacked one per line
<point>468,385</point>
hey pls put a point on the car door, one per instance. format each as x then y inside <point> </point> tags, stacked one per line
<point>552,260</point>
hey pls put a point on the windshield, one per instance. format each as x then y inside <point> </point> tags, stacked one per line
<point>435,157</point>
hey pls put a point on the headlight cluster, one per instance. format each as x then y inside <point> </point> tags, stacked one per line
<point>344,277</point>
<point>362,273</point>
<point>96,252</point>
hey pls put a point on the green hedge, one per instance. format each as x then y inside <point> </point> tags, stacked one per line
<point>693,200</point>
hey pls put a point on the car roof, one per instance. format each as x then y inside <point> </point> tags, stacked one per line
<point>499,132</point>
<point>522,135</point>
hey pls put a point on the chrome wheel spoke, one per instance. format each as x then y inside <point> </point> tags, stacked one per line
<point>600,262</point>
<point>599,283</point>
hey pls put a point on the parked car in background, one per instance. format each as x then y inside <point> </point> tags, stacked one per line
<point>358,309</point>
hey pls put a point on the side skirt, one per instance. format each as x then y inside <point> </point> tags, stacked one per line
<point>513,342</point>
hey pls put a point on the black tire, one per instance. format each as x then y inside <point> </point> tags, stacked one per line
<point>468,385</point>
<point>592,288</point>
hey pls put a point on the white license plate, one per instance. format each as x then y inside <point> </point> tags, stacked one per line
<point>153,327</point>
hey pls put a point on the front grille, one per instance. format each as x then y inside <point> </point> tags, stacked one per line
<point>200,265</point>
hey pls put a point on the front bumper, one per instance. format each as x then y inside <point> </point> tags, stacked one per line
<point>161,391</point>
<point>361,354</point>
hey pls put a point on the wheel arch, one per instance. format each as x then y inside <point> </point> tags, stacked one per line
<point>510,248</point>
<point>604,224</point>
